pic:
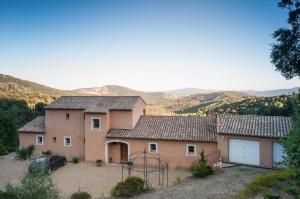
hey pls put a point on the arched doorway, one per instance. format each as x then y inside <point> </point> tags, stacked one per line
<point>116,151</point>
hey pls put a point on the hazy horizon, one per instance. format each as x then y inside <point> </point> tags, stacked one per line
<point>143,45</point>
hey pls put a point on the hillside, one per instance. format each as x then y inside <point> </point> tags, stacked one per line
<point>278,105</point>
<point>275,92</point>
<point>192,103</point>
<point>189,91</point>
<point>158,103</point>
<point>149,97</point>
<point>18,89</point>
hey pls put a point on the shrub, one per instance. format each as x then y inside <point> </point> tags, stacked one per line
<point>25,153</point>
<point>131,186</point>
<point>22,154</point>
<point>81,195</point>
<point>178,180</point>
<point>11,149</point>
<point>200,168</point>
<point>34,186</point>
<point>266,181</point>
<point>30,151</point>
<point>99,163</point>
<point>75,160</point>
<point>7,195</point>
<point>48,152</point>
<point>269,195</point>
<point>3,150</point>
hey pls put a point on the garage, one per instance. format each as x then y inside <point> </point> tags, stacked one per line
<point>278,154</point>
<point>244,151</point>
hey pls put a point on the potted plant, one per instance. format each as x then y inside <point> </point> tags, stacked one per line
<point>99,163</point>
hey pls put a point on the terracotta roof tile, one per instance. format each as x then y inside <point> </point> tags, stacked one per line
<point>170,128</point>
<point>254,125</point>
<point>37,125</point>
<point>95,104</point>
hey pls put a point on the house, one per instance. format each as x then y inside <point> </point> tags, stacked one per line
<point>111,128</point>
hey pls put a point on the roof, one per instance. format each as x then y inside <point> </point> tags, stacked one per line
<point>37,125</point>
<point>95,104</point>
<point>254,125</point>
<point>170,128</point>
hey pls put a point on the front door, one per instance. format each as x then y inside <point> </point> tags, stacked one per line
<point>124,152</point>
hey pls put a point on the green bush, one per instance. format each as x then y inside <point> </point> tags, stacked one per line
<point>3,150</point>
<point>200,168</point>
<point>34,186</point>
<point>81,195</point>
<point>75,160</point>
<point>7,195</point>
<point>48,152</point>
<point>30,151</point>
<point>131,186</point>
<point>268,180</point>
<point>25,153</point>
<point>22,154</point>
<point>269,195</point>
<point>11,149</point>
<point>99,163</point>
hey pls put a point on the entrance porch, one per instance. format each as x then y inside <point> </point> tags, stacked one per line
<point>116,151</point>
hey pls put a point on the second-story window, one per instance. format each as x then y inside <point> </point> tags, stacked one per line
<point>153,147</point>
<point>67,116</point>
<point>67,141</point>
<point>96,124</point>
<point>39,139</point>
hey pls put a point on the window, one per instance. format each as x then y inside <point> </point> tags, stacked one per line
<point>96,124</point>
<point>153,147</point>
<point>67,116</point>
<point>39,139</point>
<point>191,150</point>
<point>54,139</point>
<point>67,141</point>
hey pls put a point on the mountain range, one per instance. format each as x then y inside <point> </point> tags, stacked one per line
<point>168,102</point>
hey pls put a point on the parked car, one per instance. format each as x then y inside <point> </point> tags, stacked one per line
<point>47,164</point>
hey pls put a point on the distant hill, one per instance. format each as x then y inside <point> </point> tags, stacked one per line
<point>14,88</point>
<point>192,103</point>
<point>273,106</point>
<point>171,102</point>
<point>149,97</point>
<point>267,93</point>
<point>275,92</point>
<point>189,91</point>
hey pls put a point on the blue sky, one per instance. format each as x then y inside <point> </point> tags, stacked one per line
<point>143,44</point>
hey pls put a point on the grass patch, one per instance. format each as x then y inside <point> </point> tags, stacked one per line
<point>275,179</point>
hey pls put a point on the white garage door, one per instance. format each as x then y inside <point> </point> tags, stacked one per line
<point>278,155</point>
<point>244,151</point>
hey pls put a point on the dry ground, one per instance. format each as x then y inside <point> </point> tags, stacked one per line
<point>11,170</point>
<point>221,185</point>
<point>98,181</point>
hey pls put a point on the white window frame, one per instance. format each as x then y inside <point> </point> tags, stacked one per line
<point>187,150</point>
<point>37,139</point>
<point>149,147</point>
<point>92,123</point>
<point>65,141</point>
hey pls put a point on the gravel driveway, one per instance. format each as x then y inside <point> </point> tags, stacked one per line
<point>11,170</point>
<point>223,183</point>
<point>98,181</point>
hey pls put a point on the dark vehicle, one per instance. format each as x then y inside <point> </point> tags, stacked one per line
<point>46,164</point>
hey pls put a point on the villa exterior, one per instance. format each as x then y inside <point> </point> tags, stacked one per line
<point>110,128</point>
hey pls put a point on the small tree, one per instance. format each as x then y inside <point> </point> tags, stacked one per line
<point>291,143</point>
<point>200,168</point>
<point>34,186</point>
